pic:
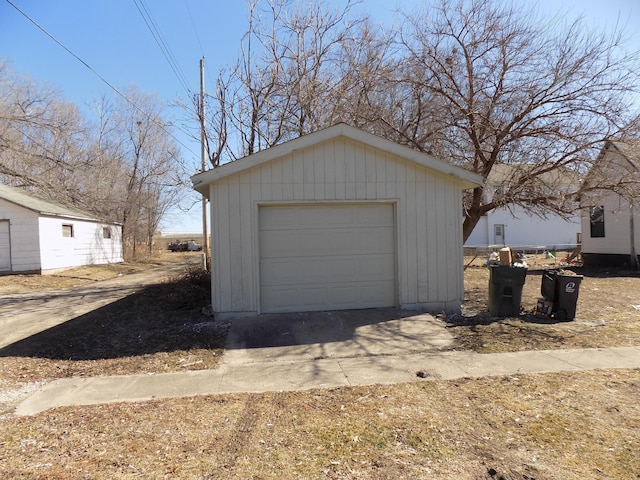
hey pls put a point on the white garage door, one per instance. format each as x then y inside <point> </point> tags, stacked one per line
<point>327,257</point>
<point>5,247</point>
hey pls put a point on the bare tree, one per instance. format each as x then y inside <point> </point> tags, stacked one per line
<point>287,81</point>
<point>482,84</point>
<point>124,167</point>
<point>509,88</point>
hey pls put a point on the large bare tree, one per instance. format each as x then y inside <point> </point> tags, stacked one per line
<point>483,84</point>
<point>509,87</point>
<point>123,165</point>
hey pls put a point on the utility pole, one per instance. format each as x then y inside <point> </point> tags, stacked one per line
<point>203,158</point>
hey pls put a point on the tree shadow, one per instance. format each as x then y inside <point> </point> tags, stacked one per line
<point>336,334</point>
<point>163,317</point>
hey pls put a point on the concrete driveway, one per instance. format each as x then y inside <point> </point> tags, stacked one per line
<point>338,334</point>
<point>25,314</point>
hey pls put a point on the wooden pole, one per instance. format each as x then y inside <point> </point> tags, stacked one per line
<point>203,158</point>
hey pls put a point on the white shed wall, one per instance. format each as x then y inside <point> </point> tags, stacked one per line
<point>86,247</point>
<point>23,232</point>
<point>429,226</point>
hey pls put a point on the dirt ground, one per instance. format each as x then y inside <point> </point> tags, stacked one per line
<point>607,312</point>
<point>75,277</point>
<point>521,427</point>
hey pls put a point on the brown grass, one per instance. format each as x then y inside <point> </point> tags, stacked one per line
<point>570,425</point>
<point>607,315</point>
<point>553,426</point>
<point>164,327</point>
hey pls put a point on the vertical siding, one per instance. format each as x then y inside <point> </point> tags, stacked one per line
<point>428,219</point>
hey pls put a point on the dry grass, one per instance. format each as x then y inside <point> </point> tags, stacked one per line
<point>608,314</point>
<point>554,426</point>
<point>164,327</point>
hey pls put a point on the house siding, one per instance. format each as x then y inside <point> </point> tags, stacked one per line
<point>615,247</point>
<point>428,219</point>
<point>616,228</point>
<point>524,229</point>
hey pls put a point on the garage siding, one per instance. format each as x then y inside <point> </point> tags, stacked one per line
<point>428,219</point>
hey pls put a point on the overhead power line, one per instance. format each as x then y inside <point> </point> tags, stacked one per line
<point>104,80</point>
<point>146,15</point>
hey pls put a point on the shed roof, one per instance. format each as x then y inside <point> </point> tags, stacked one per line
<point>43,207</point>
<point>201,180</point>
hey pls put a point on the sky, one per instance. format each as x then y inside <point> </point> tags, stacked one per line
<point>111,36</point>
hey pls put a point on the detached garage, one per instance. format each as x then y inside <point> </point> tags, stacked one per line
<point>337,219</point>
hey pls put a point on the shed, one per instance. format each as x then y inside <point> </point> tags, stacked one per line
<point>611,205</point>
<point>37,235</point>
<point>337,219</point>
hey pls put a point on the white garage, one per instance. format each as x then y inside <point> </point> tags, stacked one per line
<point>338,219</point>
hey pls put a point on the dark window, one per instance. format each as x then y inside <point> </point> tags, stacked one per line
<point>597,221</point>
<point>67,230</point>
<point>106,232</point>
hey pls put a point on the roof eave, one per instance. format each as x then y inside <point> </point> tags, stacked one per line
<point>202,180</point>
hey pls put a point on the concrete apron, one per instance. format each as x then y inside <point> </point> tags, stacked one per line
<point>338,334</point>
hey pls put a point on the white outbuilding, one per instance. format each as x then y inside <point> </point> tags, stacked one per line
<point>37,235</point>
<point>337,219</point>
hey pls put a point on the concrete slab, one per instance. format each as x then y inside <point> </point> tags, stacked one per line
<point>511,363</point>
<point>618,357</point>
<point>320,373</point>
<point>340,334</point>
<point>384,370</point>
<point>281,376</point>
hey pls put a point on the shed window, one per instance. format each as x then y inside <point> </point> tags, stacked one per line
<point>106,232</point>
<point>597,221</point>
<point>67,230</point>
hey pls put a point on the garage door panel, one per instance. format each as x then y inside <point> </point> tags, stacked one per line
<point>325,257</point>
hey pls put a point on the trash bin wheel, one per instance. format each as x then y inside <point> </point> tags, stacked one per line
<point>561,314</point>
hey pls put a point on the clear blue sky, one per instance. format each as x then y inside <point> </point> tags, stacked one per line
<point>112,37</point>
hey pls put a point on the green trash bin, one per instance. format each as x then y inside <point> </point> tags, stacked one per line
<point>505,290</point>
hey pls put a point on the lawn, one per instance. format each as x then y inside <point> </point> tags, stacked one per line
<point>537,426</point>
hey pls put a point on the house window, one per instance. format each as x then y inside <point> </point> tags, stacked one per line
<point>106,232</point>
<point>67,230</point>
<point>597,221</point>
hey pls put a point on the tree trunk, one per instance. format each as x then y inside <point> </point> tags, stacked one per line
<point>632,236</point>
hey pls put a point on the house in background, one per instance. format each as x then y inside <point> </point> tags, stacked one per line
<point>515,225</point>
<point>41,236</point>
<point>337,219</point>
<point>611,206</point>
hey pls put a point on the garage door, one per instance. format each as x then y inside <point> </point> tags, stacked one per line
<point>327,257</point>
<point>5,247</point>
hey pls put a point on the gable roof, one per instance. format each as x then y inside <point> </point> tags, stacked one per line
<point>43,207</point>
<point>202,180</point>
<point>629,149</point>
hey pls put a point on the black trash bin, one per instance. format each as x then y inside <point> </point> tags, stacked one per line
<point>505,290</point>
<point>562,289</point>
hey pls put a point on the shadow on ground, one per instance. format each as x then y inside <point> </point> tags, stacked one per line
<point>335,334</point>
<point>163,317</point>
